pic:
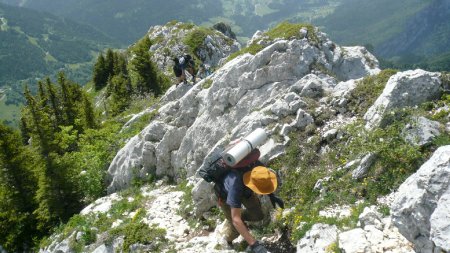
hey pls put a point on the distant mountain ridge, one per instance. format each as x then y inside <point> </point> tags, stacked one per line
<point>36,43</point>
<point>127,21</point>
<point>426,33</point>
<point>408,33</point>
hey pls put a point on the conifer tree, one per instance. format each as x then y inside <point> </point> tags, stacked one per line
<point>37,122</point>
<point>54,102</point>
<point>17,189</point>
<point>120,64</point>
<point>145,79</point>
<point>54,128</point>
<point>43,99</point>
<point>24,129</point>
<point>109,63</point>
<point>68,99</point>
<point>121,93</point>
<point>100,74</point>
<point>89,116</point>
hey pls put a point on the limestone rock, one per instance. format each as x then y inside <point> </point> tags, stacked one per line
<point>60,246</point>
<point>374,234</point>
<point>102,249</point>
<point>330,135</point>
<point>364,166</point>
<point>371,217</point>
<point>354,240</point>
<point>313,89</point>
<point>318,239</point>
<point>354,62</point>
<point>422,131</point>
<point>440,223</point>
<point>258,37</point>
<point>419,197</point>
<point>409,88</point>
<point>169,43</point>
<point>101,205</point>
<point>302,119</point>
<point>203,195</point>
<point>248,92</point>
<point>321,183</point>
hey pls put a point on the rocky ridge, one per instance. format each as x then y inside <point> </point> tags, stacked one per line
<point>170,41</point>
<point>282,89</point>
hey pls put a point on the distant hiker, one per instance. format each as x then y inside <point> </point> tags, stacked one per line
<point>177,70</point>
<point>238,185</point>
<point>203,71</point>
<point>181,65</point>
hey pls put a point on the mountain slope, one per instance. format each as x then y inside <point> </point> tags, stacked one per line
<point>342,134</point>
<point>35,44</point>
<point>127,21</point>
<point>406,31</point>
<point>426,33</point>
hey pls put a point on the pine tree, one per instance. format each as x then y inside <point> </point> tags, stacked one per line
<point>109,63</point>
<point>121,93</point>
<point>54,128</point>
<point>145,79</point>
<point>100,74</point>
<point>89,116</point>
<point>54,102</point>
<point>17,190</point>
<point>43,99</point>
<point>36,122</point>
<point>120,64</point>
<point>67,100</point>
<point>24,129</point>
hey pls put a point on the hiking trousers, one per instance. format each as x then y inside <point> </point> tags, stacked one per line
<point>252,212</point>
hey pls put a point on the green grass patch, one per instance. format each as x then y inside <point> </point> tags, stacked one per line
<point>445,77</point>
<point>286,30</point>
<point>368,90</point>
<point>384,210</point>
<point>207,84</point>
<point>186,209</point>
<point>333,248</point>
<point>195,38</point>
<point>140,233</point>
<point>9,113</point>
<point>303,165</point>
<point>97,223</point>
<point>251,49</point>
<point>158,40</point>
<point>438,109</point>
<point>186,26</point>
<point>283,30</point>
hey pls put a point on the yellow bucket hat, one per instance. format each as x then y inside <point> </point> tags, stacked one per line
<point>261,180</point>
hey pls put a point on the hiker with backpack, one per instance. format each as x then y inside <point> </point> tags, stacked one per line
<point>181,65</point>
<point>239,185</point>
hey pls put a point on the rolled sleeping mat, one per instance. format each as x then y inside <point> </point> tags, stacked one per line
<point>235,154</point>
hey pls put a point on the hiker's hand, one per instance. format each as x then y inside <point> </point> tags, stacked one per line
<point>257,247</point>
<point>276,201</point>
